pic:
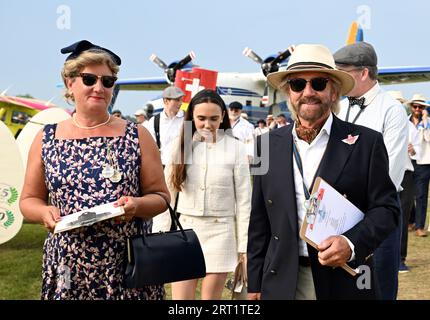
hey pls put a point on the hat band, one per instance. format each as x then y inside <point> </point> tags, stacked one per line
<point>309,65</point>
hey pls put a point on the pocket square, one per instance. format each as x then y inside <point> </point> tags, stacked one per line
<point>350,139</point>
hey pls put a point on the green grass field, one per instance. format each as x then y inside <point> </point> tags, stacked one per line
<point>21,261</point>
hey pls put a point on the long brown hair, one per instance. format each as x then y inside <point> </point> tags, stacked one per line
<point>179,173</point>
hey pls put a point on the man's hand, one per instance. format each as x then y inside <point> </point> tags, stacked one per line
<point>411,149</point>
<point>334,251</point>
<point>254,296</point>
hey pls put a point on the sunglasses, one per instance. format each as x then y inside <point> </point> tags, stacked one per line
<point>90,79</point>
<point>418,106</point>
<point>299,84</point>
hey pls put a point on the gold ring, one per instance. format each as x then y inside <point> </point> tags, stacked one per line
<point>122,218</point>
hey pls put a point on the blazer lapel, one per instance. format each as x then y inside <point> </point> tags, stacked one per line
<point>283,153</point>
<point>337,152</point>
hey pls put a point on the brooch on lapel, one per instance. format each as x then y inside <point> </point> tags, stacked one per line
<point>351,139</point>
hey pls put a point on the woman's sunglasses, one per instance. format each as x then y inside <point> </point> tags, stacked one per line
<point>418,106</point>
<point>90,79</point>
<point>299,84</point>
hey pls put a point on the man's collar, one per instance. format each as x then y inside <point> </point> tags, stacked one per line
<point>180,114</point>
<point>325,128</point>
<point>370,95</point>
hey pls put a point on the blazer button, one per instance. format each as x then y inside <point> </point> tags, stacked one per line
<point>276,238</point>
<point>273,271</point>
<point>270,202</point>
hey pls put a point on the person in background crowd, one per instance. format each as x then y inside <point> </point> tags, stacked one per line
<point>261,128</point>
<point>165,126</point>
<point>419,117</point>
<point>368,105</point>
<point>141,116</point>
<point>407,195</point>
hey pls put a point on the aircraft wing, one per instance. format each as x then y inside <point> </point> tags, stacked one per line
<point>400,75</point>
<point>148,84</point>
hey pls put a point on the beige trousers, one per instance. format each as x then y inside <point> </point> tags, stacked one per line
<point>305,284</point>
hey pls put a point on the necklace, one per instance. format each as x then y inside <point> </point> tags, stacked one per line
<point>89,128</point>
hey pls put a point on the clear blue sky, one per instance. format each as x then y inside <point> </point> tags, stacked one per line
<point>217,31</point>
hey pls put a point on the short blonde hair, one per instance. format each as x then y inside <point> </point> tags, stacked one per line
<point>73,67</point>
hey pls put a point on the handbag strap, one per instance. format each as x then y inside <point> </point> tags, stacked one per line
<point>173,215</point>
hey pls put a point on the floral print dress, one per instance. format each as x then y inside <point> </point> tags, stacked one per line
<point>89,262</point>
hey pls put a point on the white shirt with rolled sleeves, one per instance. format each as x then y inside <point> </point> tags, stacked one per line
<point>386,115</point>
<point>244,131</point>
<point>170,129</point>
<point>311,156</point>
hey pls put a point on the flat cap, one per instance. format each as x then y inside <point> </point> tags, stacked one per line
<point>235,105</point>
<point>172,92</point>
<point>358,54</point>
<point>78,47</point>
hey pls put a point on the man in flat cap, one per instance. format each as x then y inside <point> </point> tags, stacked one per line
<point>166,126</point>
<point>368,105</point>
<point>351,158</point>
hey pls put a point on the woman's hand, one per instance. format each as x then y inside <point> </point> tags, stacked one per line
<point>130,207</point>
<point>50,218</point>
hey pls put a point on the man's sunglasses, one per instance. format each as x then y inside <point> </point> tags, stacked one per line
<point>90,79</point>
<point>299,84</point>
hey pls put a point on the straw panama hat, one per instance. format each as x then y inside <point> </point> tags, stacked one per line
<point>418,98</point>
<point>312,58</point>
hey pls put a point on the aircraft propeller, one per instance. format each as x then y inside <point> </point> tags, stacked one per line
<point>170,70</point>
<point>269,65</point>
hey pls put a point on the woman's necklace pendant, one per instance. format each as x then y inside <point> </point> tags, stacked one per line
<point>108,172</point>
<point>116,177</point>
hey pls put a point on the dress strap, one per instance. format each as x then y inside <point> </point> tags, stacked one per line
<point>49,132</point>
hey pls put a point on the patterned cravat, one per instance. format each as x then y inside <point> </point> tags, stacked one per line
<point>307,134</point>
<point>354,101</point>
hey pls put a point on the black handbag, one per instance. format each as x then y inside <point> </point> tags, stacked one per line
<point>163,257</point>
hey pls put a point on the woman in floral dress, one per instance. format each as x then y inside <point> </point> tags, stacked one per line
<point>89,160</point>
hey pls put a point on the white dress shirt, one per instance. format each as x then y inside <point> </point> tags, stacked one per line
<point>244,131</point>
<point>170,129</point>
<point>384,114</point>
<point>311,156</point>
<point>414,139</point>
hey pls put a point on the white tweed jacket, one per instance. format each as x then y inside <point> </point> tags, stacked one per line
<point>218,184</point>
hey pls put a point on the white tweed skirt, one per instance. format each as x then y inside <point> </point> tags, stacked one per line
<point>217,236</point>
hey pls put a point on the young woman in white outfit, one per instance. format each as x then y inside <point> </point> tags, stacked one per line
<point>211,174</point>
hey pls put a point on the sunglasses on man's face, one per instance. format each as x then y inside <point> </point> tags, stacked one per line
<point>299,84</point>
<point>90,79</point>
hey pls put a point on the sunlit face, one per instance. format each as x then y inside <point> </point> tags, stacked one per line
<point>172,105</point>
<point>311,105</point>
<point>207,117</point>
<point>234,113</point>
<point>91,98</point>
<point>417,109</point>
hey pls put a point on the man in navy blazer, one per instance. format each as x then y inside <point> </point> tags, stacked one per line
<point>351,158</point>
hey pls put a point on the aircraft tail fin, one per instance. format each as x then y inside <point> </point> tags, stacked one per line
<point>355,33</point>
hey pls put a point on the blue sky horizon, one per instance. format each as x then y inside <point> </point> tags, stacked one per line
<point>34,32</point>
